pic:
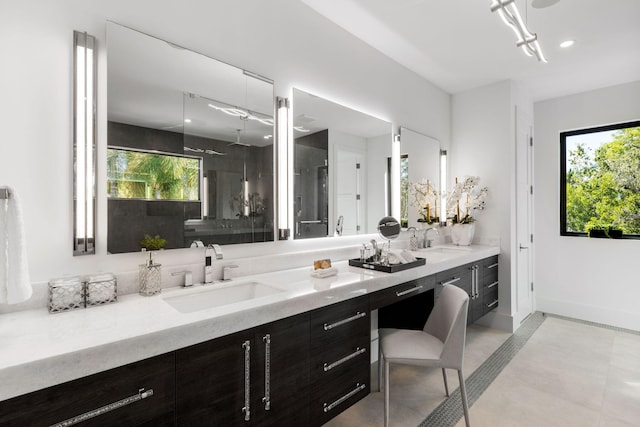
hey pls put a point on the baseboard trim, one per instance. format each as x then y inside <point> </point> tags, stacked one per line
<point>617,318</point>
<point>504,322</point>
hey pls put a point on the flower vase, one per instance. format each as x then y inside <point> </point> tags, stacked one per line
<point>462,234</point>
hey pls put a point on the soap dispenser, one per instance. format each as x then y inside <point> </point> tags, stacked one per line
<point>150,277</point>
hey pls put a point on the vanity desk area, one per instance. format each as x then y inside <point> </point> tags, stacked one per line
<point>296,357</point>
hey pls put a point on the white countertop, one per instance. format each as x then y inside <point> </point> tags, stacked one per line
<point>41,349</point>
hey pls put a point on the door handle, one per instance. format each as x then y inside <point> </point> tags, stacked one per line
<point>523,247</point>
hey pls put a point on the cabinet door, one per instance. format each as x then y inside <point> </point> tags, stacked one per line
<point>109,398</point>
<point>211,381</point>
<point>281,382</point>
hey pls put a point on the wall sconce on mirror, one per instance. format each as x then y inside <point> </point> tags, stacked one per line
<point>84,143</point>
<point>284,167</point>
<point>395,177</point>
<point>443,186</point>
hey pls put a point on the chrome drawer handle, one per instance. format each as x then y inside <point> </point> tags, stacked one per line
<point>267,372</point>
<point>247,380</point>
<point>492,285</point>
<point>357,316</point>
<point>492,304</point>
<point>408,291</point>
<point>142,394</point>
<point>358,352</point>
<point>358,389</point>
<point>492,265</point>
<point>452,281</point>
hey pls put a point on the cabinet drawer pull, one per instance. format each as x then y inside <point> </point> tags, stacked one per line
<point>267,372</point>
<point>247,380</point>
<point>358,352</point>
<point>450,282</point>
<point>494,265</point>
<point>358,315</point>
<point>408,291</point>
<point>142,394</point>
<point>492,304</point>
<point>358,389</point>
<point>493,285</point>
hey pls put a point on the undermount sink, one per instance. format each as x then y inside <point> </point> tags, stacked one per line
<point>441,253</point>
<point>219,296</point>
<point>446,249</point>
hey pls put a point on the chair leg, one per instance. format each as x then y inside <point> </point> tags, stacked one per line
<point>386,393</point>
<point>446,386</point>
<point>463,395</point>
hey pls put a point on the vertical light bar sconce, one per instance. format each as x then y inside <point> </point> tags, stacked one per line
<point>395,177</point>
<point>443,186</point>
<point>84,143</point>
<point>284,162</point>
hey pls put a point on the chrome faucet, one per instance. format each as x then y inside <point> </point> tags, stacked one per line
<point>226,271</point>
<point>188,278</point>
<point>427,240</point>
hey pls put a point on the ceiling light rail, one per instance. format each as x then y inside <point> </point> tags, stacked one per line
<point>528,41</point>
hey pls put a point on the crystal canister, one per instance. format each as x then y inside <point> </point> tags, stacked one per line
<point>66,294</point>
<point>101,289</point>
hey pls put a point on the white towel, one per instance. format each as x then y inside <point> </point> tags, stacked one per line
<point>15,285</point>
<point>396,257</point>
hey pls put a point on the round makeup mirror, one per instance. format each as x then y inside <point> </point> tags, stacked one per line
<point>389,228</point>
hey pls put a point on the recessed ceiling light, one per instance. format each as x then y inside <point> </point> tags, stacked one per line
<point>567,43</point>
<point>541,4</point>
<point>187,120</point>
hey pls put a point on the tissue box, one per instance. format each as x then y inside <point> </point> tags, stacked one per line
<point>101,289</point>
<point>66,294</point>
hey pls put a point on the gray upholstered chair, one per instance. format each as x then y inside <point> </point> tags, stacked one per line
<point>440,344</point>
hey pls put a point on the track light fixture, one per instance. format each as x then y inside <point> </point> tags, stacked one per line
<point>509,13</point>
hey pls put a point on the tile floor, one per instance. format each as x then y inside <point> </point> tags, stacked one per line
<point>567,373</point>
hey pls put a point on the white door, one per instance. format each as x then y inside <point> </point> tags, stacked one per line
<point>524,215</point>
<point>347,191</point>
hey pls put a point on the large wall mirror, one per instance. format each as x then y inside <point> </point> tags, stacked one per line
<point>340,168</point>
<point>419,178</point>
<point>190,146</point>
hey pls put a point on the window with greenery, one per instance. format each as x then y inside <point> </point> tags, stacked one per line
<point>141,175</point>
<point>600,181</point>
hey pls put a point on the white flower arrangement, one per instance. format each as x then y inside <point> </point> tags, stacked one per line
<point>425,198</point>
<point>464,199</point>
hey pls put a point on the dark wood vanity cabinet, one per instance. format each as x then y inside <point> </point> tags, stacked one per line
<point>488,270</point>
<point>138,394</point>
<point>256,377</point>
<point>479,280</point>
<point>339,359</point>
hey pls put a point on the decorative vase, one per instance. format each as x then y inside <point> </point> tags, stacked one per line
<point>462,234</point>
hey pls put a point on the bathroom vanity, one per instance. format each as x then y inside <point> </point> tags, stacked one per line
<point>297,357</point>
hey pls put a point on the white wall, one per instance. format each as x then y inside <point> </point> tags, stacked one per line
<point>591,279</point>
<point>483,145</point>
<point>281,39</point>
